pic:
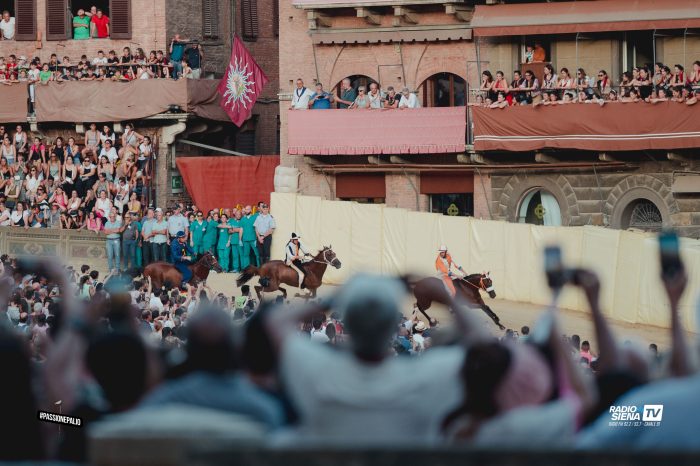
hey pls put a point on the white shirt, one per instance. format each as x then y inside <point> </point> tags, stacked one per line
<point>99,61</point>
<point>291,251</point>
<point>300,100</point>
<point>379,404</point>
<point>111,154</point>
<point>5,218</point>
<point>319,335</point>
<point>409,102</point>
<point>375,101</point>
<point>8,28</point>
<point>104,205</point>
<point>155,303</point>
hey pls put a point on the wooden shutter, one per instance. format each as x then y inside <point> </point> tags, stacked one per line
<point>25,19</point>
<point>276,18</point>
<point>58,20</point>
<point>249,19</point>
<point>210,19</point>
<point>120,19</point>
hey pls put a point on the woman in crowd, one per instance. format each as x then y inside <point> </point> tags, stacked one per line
<point>361,101</point>
<point>59,198</point>
<point>105,168</point>
<point>53,167</point>
<point>549,80</point>
<point>626,83</point>
<point>20,140</point>
<point>87,175</point>
<point>91,141</point>
<point>42,198</point>
<point>88,204</point>
<point>13,190</point>
<point>93,223</point>
<point>73,204</point>
<point>103,204</point>
<point>532,85</point>
<point>678,76</point>
<point>107,133</point>
<point>72,152</point>
<point>145,151</point>
<point>6,173</point>
<point>643,83</point>
<point>102,184</point>
<point>31,184</point>
<point>37,153</point>
<point>565,83</point>
<point>121,196</point>
<point>67,222</point>
<point>19,216</point>
<point>59,149</point>
<point>487,85</point>
<point>130,141</point>
<point>7,150</point>
<point>694,78</point>
<point>69,174</point>
<point>500,86</point>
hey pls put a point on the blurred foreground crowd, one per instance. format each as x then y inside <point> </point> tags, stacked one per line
<point>332,371</point>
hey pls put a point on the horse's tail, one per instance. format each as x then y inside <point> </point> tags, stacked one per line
<point>245,276</point>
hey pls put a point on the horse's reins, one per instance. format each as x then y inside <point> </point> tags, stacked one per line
<point>325,259</point>
<point>481,283</point>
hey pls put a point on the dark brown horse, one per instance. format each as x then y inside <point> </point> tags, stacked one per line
<point>274,273</point>
<point>469,288</point>
<point>164,273</point>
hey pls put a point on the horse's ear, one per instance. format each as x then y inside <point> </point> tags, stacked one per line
<point>330,246</point>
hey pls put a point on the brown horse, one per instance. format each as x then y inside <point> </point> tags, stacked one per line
<point>274,273</point>
<point>163,273</point>
<point>469,288</point>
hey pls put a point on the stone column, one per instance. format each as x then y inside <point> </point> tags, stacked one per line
<point>165,162</point>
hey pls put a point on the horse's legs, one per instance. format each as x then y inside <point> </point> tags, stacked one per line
<point>422,307</point>
<point>284,292</point>
<point>493,316</point>
<point>258,291</point>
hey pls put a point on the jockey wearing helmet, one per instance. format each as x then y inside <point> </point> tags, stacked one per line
<point>295,252</point>
<point>444,264</point>
<point>182,255</point>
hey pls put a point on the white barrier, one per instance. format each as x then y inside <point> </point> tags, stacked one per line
<point>375,238</point>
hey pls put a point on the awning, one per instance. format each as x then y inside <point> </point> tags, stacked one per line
<point>326,4</point>
<point>584,16</point>
<point>446,183</point>
<point>375,132</point>
<point>389,35</point>
<point>13,108</point>
<point>224,181</point>
<point>354,185</point>
<point>613,127</point>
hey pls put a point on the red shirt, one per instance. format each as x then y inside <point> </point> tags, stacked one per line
<point>11,70</point>
<point>101,26</point>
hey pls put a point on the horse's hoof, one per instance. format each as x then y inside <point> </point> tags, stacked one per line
<point>501,327</point>
<point>433,322</point>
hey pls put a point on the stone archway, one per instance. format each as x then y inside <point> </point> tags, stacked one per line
<point>634,188</point>
<point>518,186</point>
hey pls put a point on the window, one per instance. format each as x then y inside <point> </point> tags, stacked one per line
<point>444,90</point>
<point>59,17</point>
<point>642,214</point>
<point>249,19</point>
<point>210,19</point>
<point>25,19</point>
<point>364,200</point>
<point>455,205</point>
<point>539,207</point>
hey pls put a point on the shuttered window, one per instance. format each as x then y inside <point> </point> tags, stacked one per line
<point>276,18</point>
<point>249,19</point>
<point>25,19</point>
<point>120,19</point>
<point>210,19</point>
<point>57,20</point>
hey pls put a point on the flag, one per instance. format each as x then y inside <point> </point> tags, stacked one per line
<point>241,85</point>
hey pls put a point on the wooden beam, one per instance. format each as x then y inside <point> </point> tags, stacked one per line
<point>544,158</point>
<point>317,19</point>
<point>676,157</point>
<point>373,159</point>
<point>370,16</point>
<point>604,157</point>
<point>406,14</point>
<point>464,158</point>
<point>399,160</point>
<point>462,13</point>
<point>480,159</point>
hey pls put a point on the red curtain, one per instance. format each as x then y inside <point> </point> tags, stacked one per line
<point>224,181</point>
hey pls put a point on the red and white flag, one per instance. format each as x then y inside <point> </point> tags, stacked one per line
<point>241,85</point>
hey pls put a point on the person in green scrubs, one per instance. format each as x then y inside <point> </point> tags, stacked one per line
<point>210,234</point>
<point>81,25</point>
<point>197,229</point>
<point>236,242</point>
<point>223,245</point>
<point>249,238</point>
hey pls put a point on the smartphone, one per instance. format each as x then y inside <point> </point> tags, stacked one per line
<point>669,252</point>
<point>557,275</point>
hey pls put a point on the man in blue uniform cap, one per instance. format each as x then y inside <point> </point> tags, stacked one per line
<point>182,255</point>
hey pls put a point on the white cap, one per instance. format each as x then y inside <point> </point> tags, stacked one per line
<point>443,248</point>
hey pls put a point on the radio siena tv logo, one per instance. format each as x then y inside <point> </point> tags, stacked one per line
<point>635,416</point>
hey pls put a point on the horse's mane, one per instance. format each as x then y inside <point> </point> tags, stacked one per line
<point>474,275</point>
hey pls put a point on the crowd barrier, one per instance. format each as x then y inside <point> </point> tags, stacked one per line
<point>375,238</point>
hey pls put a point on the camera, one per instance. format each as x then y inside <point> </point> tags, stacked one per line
<point>669,246</point>
<point>557,274</point>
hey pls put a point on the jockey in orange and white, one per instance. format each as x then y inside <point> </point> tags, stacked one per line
<point>444,265</point>
<point>294,256</point>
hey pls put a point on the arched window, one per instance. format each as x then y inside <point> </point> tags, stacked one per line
<point>642,214</point>
<point>356,81</point>
<point>539,207</point>
<point>444,90</point>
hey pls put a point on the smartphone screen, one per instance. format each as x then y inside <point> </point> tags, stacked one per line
<point>669,247</point>
<point>554,267</point>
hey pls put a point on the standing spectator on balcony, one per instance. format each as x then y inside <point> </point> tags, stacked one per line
<point>264,227</point>
<point>500,85</point>
<point>361,101</point>
<point>539,54</point>
<point>515,85</point>
<point>7,26</point>
<point>347,94</point>
<point>249,238</point>
<point>549,80</point>
<point>392,98</point>
<point>100,25</point>
<point>374,96</point>
<point>301,97</point>
<point>177,51</point>
<point>81,25</point>
<point>678,76</point>
<point>532,87</point>
<point>565,83</point>
<point>408,99</point>
<point>100,60</point>
<point>320,100</point>
<point>159,237</point>
<point>195,54</point>
<point>643,83</point>
<point>112,229</point>
<point>487,85</point>
<point>584,83</point>
<point>602,85</point>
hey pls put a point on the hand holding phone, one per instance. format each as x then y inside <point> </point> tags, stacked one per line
<point>557,274</point>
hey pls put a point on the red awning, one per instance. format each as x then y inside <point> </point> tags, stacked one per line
<point>375,132</point>
<point>349,185</point>
<point>584,16</point>
<point>446,183</point>
<point>613,127</point>
<point>224,181</point>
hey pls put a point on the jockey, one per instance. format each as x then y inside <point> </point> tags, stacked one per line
<point>182,255</point>
<point>444,264</point>
<point>293,257</point>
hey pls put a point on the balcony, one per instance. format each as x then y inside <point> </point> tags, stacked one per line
<point>377,132</point>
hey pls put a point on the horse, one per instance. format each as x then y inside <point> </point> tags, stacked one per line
<point>274,273</point>
<point>164,273</point>
<point>468,287</point>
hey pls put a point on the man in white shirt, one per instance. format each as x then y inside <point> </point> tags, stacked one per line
<point>300,99</point>
<point>7,26</point>
<point>408,99</point>
<point>100,59</point>
<point>109,151</point>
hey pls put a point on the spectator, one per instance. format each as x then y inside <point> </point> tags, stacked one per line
<point>361,101</point>
<point>158,231</point>
<point>223,245</point>
<point>392,98</point>
<point>7,26</point>
<point>93,223</point>
<point>177,222</point>
<point>130,234</point>
<point>177,51</point>
<point>487,85</point>
<point>248,237</point>
<point>81,25</point>
<point>146,234</point>
<point>264,227</point>
<point>194,55</point>
<point>236,232</point>
<point>539,54</point>
<point>112,229</point>
<point>320,99</point>
<point>408,99</point>
<point>347,94</point>
<point>301,97</point>
<point>100,25</point>
<point>374,96</point>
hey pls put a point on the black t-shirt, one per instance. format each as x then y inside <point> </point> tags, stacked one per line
<point>193,57</point>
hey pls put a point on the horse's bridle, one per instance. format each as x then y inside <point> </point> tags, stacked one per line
<point>325,259</point>
<point>481,286</point>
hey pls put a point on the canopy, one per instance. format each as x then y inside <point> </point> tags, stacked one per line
<point>613,127</point>
<point>375,132</point>
<point>13,106</point>
<point>584,16</point>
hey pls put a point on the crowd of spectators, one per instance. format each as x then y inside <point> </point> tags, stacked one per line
<point>72,184</point>
<point>639,85</point>
<point>115,345</point>
<point>349,97</point>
